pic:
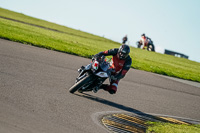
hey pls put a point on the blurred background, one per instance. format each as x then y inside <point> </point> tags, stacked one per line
<point>171,24</point>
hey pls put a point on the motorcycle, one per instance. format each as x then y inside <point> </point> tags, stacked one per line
<point>149,47</point>
<point>92,76</point>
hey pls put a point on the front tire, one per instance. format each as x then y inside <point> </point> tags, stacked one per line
<point>150,47</point>
<point>80,83</point>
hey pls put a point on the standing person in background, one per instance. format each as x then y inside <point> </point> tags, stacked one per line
<point>124,39</point>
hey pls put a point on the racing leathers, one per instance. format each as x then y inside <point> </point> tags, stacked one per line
<point>121,67</point>
<point>144,41</point>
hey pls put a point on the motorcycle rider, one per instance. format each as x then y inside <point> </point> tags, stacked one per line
<point>121,63</point>
<point>144,41</point>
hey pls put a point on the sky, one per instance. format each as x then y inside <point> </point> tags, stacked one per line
<point>171,24</point>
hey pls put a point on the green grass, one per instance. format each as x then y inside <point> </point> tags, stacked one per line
<point>64,39</point>
<point>158,127</point>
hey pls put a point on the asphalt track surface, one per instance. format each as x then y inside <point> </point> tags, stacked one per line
<point>34,96</point>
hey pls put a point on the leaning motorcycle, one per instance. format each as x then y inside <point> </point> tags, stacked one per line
<point>92,75</point>
<point>149,47</point>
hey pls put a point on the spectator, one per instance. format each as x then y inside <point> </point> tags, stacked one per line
<point>124,39</point>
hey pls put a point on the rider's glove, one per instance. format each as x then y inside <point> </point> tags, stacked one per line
<point>97,56</point>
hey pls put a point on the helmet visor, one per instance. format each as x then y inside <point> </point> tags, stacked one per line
<point>122,54</point>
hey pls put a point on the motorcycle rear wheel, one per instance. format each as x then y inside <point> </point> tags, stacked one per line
<point>80,83</point>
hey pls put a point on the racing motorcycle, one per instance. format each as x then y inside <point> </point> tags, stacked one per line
<point>149,47</point>
<point>92,76</point>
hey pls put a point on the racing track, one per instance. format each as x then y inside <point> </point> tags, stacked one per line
<point>34,93</point>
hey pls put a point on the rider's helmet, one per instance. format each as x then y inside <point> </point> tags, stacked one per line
<point>123,52</point>
<point>143,35</point>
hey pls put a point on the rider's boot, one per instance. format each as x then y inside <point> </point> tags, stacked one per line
<point>103,86</point>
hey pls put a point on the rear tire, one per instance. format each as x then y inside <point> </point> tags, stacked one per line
<point>80,83</point>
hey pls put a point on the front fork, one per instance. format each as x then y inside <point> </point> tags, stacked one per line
<point>82,71</point>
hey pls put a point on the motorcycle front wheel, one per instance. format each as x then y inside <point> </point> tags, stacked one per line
<point>80,83</point>
<point>150,48</point>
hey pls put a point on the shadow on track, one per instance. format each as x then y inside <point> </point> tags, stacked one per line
<point>119,106</point>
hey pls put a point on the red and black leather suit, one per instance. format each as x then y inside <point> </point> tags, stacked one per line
<point>121,67</point>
